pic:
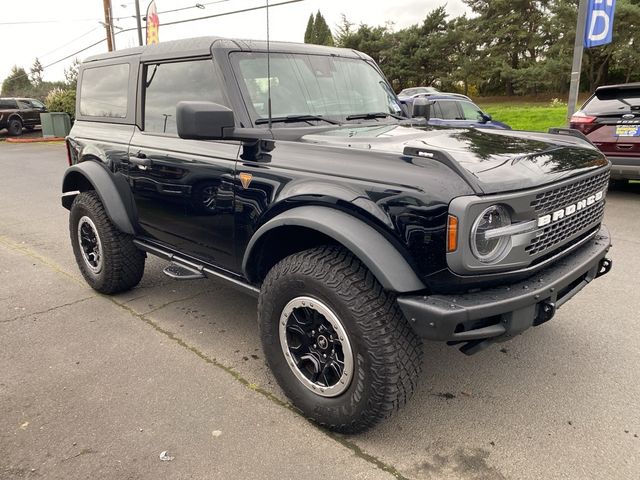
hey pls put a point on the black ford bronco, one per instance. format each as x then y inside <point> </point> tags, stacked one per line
<point>298,177</point>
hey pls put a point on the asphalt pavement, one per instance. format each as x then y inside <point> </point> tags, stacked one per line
<point>98,387</point>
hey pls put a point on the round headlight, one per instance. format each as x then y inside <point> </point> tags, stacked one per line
<point>485,249</point>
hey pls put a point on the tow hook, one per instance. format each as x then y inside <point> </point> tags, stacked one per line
<point>546,312</point>
<point>604,267</point>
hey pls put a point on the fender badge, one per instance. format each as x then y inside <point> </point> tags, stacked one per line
<point>245,179</point>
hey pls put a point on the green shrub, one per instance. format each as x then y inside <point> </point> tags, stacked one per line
<point>59,100</point>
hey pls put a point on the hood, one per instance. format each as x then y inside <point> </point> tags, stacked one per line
<point>491,160</point>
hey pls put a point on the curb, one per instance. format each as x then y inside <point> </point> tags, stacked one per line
<point>34,140</point>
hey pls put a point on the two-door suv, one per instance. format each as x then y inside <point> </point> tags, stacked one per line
<point>298,177</point>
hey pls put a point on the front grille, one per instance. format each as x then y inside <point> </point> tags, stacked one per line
<point>556,199</point>
<point>566,228</point>
<point>561,197</point>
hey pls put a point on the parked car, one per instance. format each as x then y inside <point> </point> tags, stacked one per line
<point>610,118</point>
<point>455,110</point>
<point>360,230</point>
<point>16,113</point>
<point>413,91</point>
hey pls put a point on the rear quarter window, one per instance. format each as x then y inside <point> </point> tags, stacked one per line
<point>104,91</point>
<point>7,104</point>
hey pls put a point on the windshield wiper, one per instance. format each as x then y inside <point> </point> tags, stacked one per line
<point>372,115</point>
<point>295,118</point>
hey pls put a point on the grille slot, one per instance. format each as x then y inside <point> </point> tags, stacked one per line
<point>561,197</point>
<point>556,199</point>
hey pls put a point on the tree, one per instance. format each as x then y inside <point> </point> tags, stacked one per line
<point>318,32</point>
<point>36,73</point>
<point>62,100</point>
<point>71,74</point>
<point>309,33</point>
<point>17,84</point>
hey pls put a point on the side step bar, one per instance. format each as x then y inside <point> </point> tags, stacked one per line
<point>182,272</point>
<point>184,269</point>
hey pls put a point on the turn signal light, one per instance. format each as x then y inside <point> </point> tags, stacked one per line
<point>452,234</point>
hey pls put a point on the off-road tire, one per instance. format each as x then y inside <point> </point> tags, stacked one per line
<point>387,353</point>
<point>15,127</point>
<point>123,263</point>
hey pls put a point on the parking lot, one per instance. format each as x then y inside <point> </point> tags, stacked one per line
<point>97,387</point>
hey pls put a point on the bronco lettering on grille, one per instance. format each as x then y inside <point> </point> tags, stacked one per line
<point>571,209</point>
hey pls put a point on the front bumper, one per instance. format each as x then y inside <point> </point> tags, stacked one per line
<point>625,168</point>
<point>497,314</point>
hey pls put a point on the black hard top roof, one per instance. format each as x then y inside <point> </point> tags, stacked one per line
<point>201,46</point>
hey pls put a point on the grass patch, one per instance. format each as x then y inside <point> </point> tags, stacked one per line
<point>528,116</point>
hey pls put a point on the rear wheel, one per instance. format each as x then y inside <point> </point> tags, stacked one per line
<point>107,257</point>
<point>336,341</point>
<point>15,127</point>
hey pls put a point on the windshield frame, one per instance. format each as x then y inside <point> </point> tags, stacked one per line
<point>245,97</point>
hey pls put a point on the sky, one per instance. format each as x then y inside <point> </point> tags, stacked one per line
<point>66,26</point>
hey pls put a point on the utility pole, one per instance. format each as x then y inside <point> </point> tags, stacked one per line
<point>139,22</point>
<point>108,25</point>
<point>578,49</point>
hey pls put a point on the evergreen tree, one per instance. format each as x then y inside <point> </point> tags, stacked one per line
<point>318,32</point>
<point>309,33</point>
<point>36,73</point>
<point>17,84</point>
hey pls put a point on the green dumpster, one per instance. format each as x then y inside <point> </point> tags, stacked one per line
<point>55,124</point>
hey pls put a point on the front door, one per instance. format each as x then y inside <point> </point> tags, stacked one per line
<point>183,189</point>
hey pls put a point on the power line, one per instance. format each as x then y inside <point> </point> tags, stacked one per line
<point>29,22</point>
<point>261,7</point>
<point>69,42</point>
<point>190,7</point>
<point>167,24</point>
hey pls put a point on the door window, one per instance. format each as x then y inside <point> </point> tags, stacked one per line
<point>170,83</point>
<point>471,111</point>
<point>449,110</point>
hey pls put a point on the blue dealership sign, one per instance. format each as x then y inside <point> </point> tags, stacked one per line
<point>599,27</point>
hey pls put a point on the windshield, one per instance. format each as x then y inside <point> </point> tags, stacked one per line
<point>312,85</point>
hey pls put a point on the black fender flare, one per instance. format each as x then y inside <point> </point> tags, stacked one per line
<point>379,255</point>
<point>113,190</point>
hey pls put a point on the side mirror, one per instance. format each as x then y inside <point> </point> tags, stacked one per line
<point>485,117</point>
<point>421,108</point>
<point>204,120</point>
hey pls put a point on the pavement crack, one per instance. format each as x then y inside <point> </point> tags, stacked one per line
<point>51,309</point>
<point>36,256</point>
<point>355,449</point>
<point>171,302</point>
<point>350,445</point>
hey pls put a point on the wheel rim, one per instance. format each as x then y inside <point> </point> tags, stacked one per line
<point>316,346</point>
<point>90,244</point>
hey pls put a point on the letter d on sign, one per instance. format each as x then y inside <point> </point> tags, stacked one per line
<point>599,27</point>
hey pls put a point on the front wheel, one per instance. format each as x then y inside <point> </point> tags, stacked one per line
<point>336,341</point>
<point>108,259</point>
